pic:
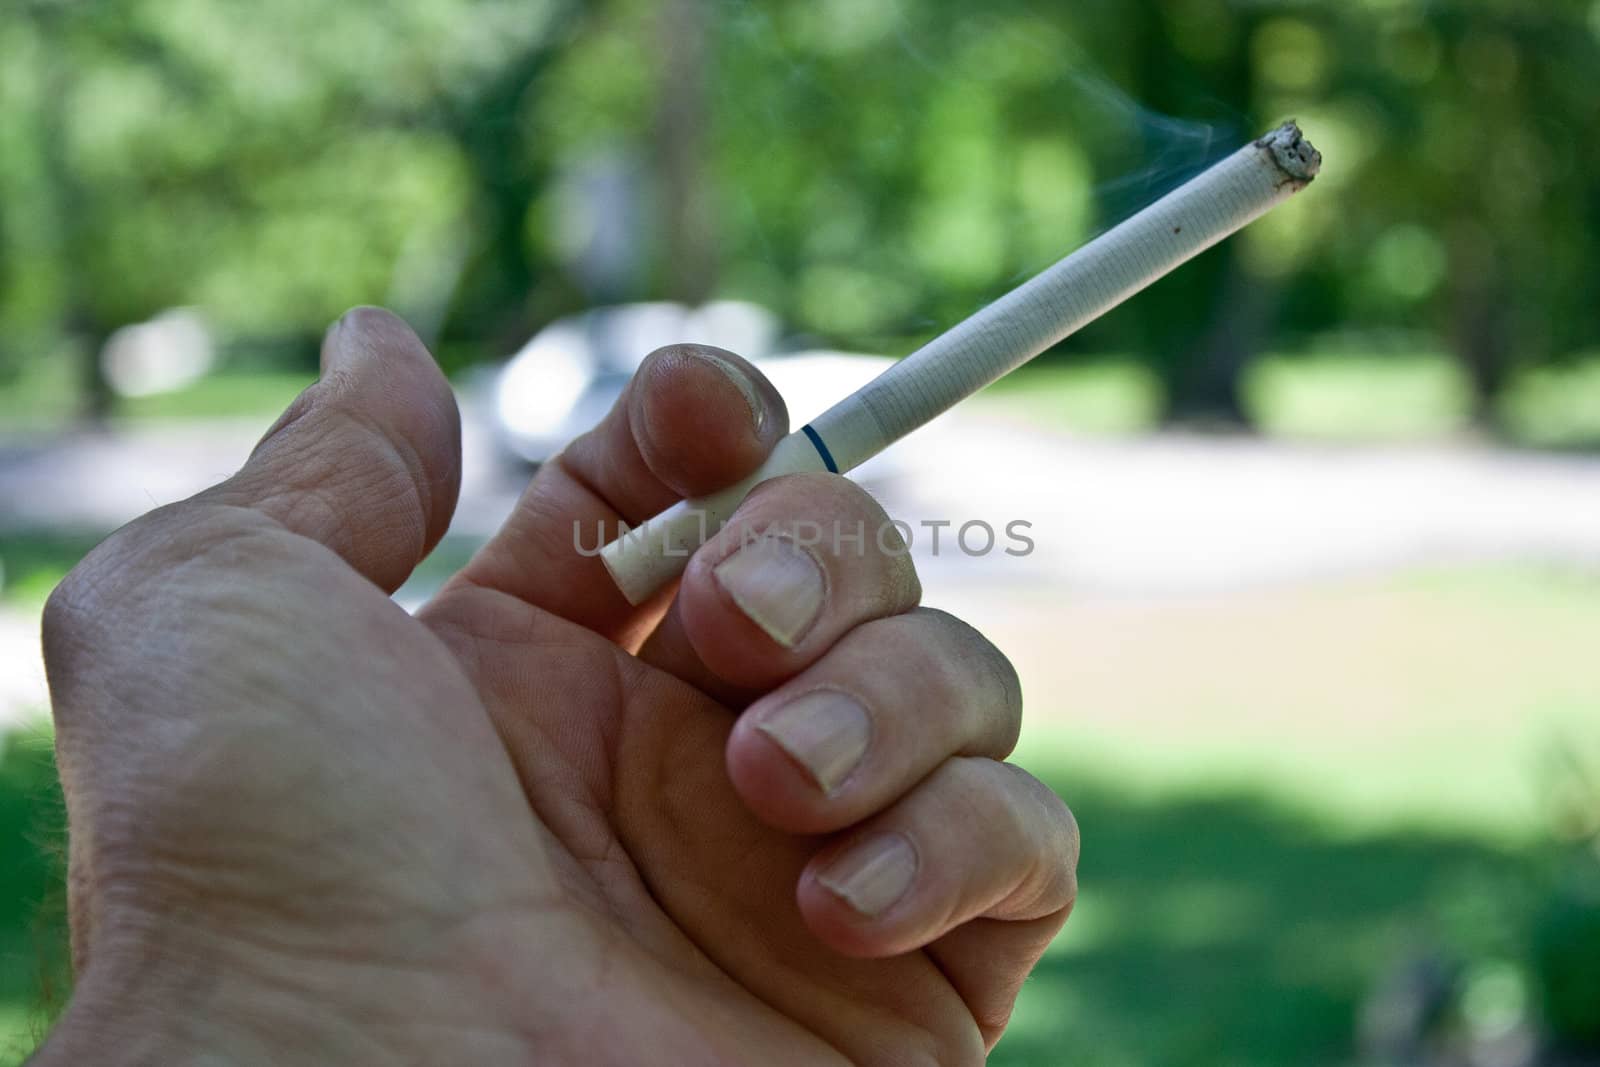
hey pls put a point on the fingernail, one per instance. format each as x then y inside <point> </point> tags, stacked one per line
<point>362,334</point>
<point>341,344</point>
<point>332,353</point>
<point>777,584</point>
<point>873,875</point>
<point>826,732</point>
<point>741,381</point>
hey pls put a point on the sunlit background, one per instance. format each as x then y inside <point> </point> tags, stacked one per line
<point>1311,634</point>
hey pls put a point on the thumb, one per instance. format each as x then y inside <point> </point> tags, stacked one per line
<point>368,460</point>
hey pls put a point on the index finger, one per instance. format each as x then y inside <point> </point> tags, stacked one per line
<point>692,420</point>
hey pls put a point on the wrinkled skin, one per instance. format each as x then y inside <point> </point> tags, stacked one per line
<point>531,824</point>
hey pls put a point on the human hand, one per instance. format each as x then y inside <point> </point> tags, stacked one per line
<point>533,823</point>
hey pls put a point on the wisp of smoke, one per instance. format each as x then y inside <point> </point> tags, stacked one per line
<point>1168,150</point>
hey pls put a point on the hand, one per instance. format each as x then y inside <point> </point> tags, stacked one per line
<point>532,823</point>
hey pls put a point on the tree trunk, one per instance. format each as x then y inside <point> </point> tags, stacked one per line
<point>688,247</point>
<point>1209,385</point>
<point>1481,329</point>
<point>1201,328</point>
<point>79,321</point>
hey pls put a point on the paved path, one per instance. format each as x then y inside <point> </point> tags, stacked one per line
<point>1157,515</point>
<point>1177,513</point>
<point>1169,512</point>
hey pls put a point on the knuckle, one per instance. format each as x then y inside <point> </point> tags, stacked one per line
<point>978,787</point>
<point>92,594</point>
<point>349,475</point>
<point>977,676</point>
<point>117,582</point>
<point>895,584</point>
<point>873,537</point>
<point>1017,808</point>
<point>135,548</point>
<point>1056,840</point>
<point>816,496</point>
<point>902,583</point>
<point>64,616</point>
<point>1072,838</point>
<point>993,1016</point>
<point>300,407</point>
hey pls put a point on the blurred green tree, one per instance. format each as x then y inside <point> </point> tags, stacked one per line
<point>871,169</point>
<point>271,163</point>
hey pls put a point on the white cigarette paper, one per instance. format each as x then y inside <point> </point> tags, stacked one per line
<point>997,340</point>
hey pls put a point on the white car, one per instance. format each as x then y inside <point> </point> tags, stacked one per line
<point>571,372</point>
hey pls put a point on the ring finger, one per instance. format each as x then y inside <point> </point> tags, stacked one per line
<point>888,703</point>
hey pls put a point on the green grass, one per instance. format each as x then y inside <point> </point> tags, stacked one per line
<point>46,396</point>
<point>42,392</point>
<point>1285,796</point>
<point>1556,407</point>
<point>33,948</point>
<point>1106,396</point>
<point>1353,395</point>
<point>1339,390</point>
<point>32,562</point>
<point>1333,393</point>
<point>1433,700</point>
<point>1224,929</point>
<point>1288,795</point>
<point>261,394</point>
<point>1229,930</point>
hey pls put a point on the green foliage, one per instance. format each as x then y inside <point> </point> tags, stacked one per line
<point>1565,935</point>
<point>270,163</point>
<point>1363,392</point>
<point>1111,396</point>
<point>1212,930</point>
<point>1235,910</point>
<point>32,563</point>
<point>872,169</point>
<point>1227,930</point>
<point>1566,946</point>
<point>33,944</point>
<point>1556,406</point>
<point>239,394</point>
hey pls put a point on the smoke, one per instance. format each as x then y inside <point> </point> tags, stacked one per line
<point>906,64</point>
<point>1167,151</point>
<point>1150,153</point>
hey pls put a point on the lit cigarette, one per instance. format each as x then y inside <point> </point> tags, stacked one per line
<point>997,340</point>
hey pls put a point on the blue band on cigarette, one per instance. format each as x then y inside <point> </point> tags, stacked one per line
<point>822,449</point>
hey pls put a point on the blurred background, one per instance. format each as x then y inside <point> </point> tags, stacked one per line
<point>1310,632</point>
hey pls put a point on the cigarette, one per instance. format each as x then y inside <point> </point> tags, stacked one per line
<point>997,340</point>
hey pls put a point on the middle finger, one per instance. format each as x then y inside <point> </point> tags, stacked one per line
<point>804,560</point>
